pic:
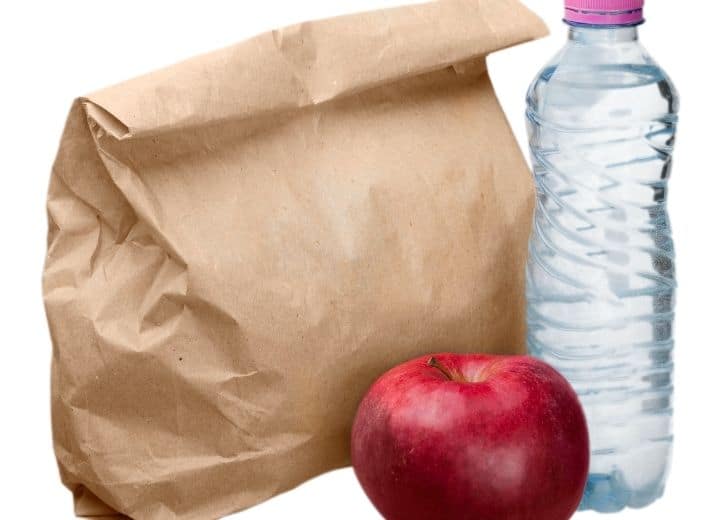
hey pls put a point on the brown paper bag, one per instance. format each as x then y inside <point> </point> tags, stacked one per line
<point>241,243</point>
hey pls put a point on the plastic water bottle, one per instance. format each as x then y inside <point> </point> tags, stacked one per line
<point>601,274</point>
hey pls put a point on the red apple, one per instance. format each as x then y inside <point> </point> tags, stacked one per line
<point>478,437</point>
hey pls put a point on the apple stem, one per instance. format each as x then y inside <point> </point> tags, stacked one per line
<point>434,363</point>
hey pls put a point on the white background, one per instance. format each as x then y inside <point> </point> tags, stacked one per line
<point>54,51</point>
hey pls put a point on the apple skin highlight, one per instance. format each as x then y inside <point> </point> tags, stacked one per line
<point>475,437</point>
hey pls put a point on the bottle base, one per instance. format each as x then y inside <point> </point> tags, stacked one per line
<point>609,493</point>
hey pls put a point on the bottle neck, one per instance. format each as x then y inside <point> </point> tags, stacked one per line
<point>593,34</point>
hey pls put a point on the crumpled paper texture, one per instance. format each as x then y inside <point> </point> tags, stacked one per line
<point>241,243</point>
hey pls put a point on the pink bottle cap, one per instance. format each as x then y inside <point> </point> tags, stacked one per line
<point>604,12</point>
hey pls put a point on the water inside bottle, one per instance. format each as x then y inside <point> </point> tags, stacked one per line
<point>601,275</point>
